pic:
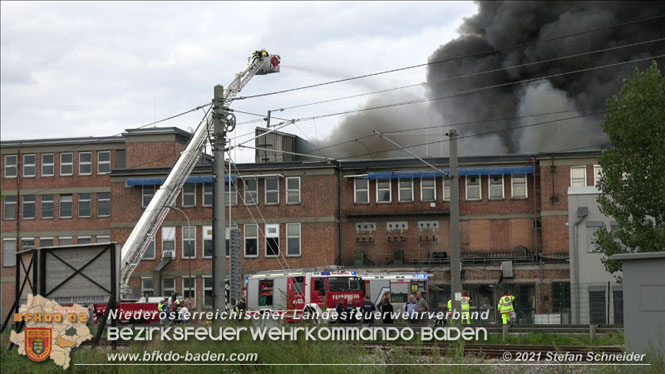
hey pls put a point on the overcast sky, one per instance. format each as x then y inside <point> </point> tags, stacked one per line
<point>91,69</point>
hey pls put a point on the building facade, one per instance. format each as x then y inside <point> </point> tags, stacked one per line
<point>383,215</point>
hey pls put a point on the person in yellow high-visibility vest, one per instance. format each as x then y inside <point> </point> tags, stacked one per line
<point>466,300</point>
<point>506,307</point>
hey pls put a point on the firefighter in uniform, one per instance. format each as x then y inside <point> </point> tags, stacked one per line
<point>506,307</point>
<point>239,309</point>
<point>466,300</point>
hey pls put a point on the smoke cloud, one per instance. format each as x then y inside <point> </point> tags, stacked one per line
<point>498,25</point>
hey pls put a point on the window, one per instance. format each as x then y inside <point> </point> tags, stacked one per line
<point>208,248</point>
<point>10,166</point>
<point>272,240</point>
<point>578,176</point>
<point>496,189</point>
<point>383,191</point>
<point>251,187</point>
<point>107,239</point>
<point>189,195</point>
<point>293,239</point>
<point>85,163</point>
<point>293,190</point>
<point>227,240</point>
<point>518,188</point>
<point>168,242</point>
<point>272,191</point>
<point>48,166</point>
<point>597,171</point>
<point>189,289</point>
<point>473,188</point>
<point>104,204</point>
<point>103,162</point>
<point>66,163</point>
<point>591,245</point>
<point>361,191</point>
<point>45,242</point>
<point>10,207</point>
<point>120,159</point>
<point>405,192</point>
<point>147,287</point>
<point>83,240</point>
<point>428,189</point>
<point>207,290</point>
<point>207,194</point>
<point>85,205</point>
<point>150,251</point>
<point>66,206</point>
<point>446,189</point>
<point>27,243</point>
<point>251,241</point>
<point>168,286</point>
<point>28,207</point>
<point>189,242</point>
<point>147,192</point>
<point>65,240</point>
<point>231,192</point>
<point>9,253</point>
<point>29,165</point>
<point>47,206</point>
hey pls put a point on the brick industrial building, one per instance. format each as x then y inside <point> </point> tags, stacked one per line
<point>387,215</point>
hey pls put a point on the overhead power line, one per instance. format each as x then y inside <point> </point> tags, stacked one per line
<point>649,19</point>
<point>469,75</point>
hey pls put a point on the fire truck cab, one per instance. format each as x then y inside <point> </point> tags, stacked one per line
<point>299,290</point>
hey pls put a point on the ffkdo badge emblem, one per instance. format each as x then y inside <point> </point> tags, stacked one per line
<point>38,343</point>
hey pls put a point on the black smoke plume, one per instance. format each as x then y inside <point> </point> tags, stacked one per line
<point>486,35</point>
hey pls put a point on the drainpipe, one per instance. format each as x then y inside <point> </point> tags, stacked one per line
<point>582,212</point>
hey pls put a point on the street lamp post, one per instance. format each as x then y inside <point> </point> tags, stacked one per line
<point>189,258</point>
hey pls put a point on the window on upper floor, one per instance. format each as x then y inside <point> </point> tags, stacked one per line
<point>272,240</point>
<point>519,186</point>
<point>473,187</point>
<point>47,206</point>
<point>383,191</point>
<point>427,189</point>
<point>28,207</point>
<point>29,165</point>
<point>360,191</point>
<point>231,194</point>
<point>405,192</point>
<point>150,251</point>
<point>85,205</point>
<point>104,204</point>
<point>252,240</point>
<point>48,164</point>
<point>9,252</point>
<point>189,242</point>
<point>293,190</point>
<point>103,162</point>
<point>10,166</point>
<point>293,241</point>
<point>168,242</point>
<point>496,189</point>
<point>207,194</point>
<point>147,193</point>
<point>66,206</point>
<point>597,174</point>
<point>251,191</point>
<point>189,195</point>
<point>66,164</point>
<point>446,189</point>
<point>10,207</point>
<point>207,242</point>
<point>85,163</point>
<point>578,176</point>
<point>272,190</point>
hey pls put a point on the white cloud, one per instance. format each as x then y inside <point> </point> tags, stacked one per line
<point>88,69</point>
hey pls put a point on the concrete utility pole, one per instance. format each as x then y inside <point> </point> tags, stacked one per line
<point>455,260</point>
<point>218,216</point>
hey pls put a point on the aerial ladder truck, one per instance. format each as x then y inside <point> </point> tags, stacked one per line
<point>260,63</point>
